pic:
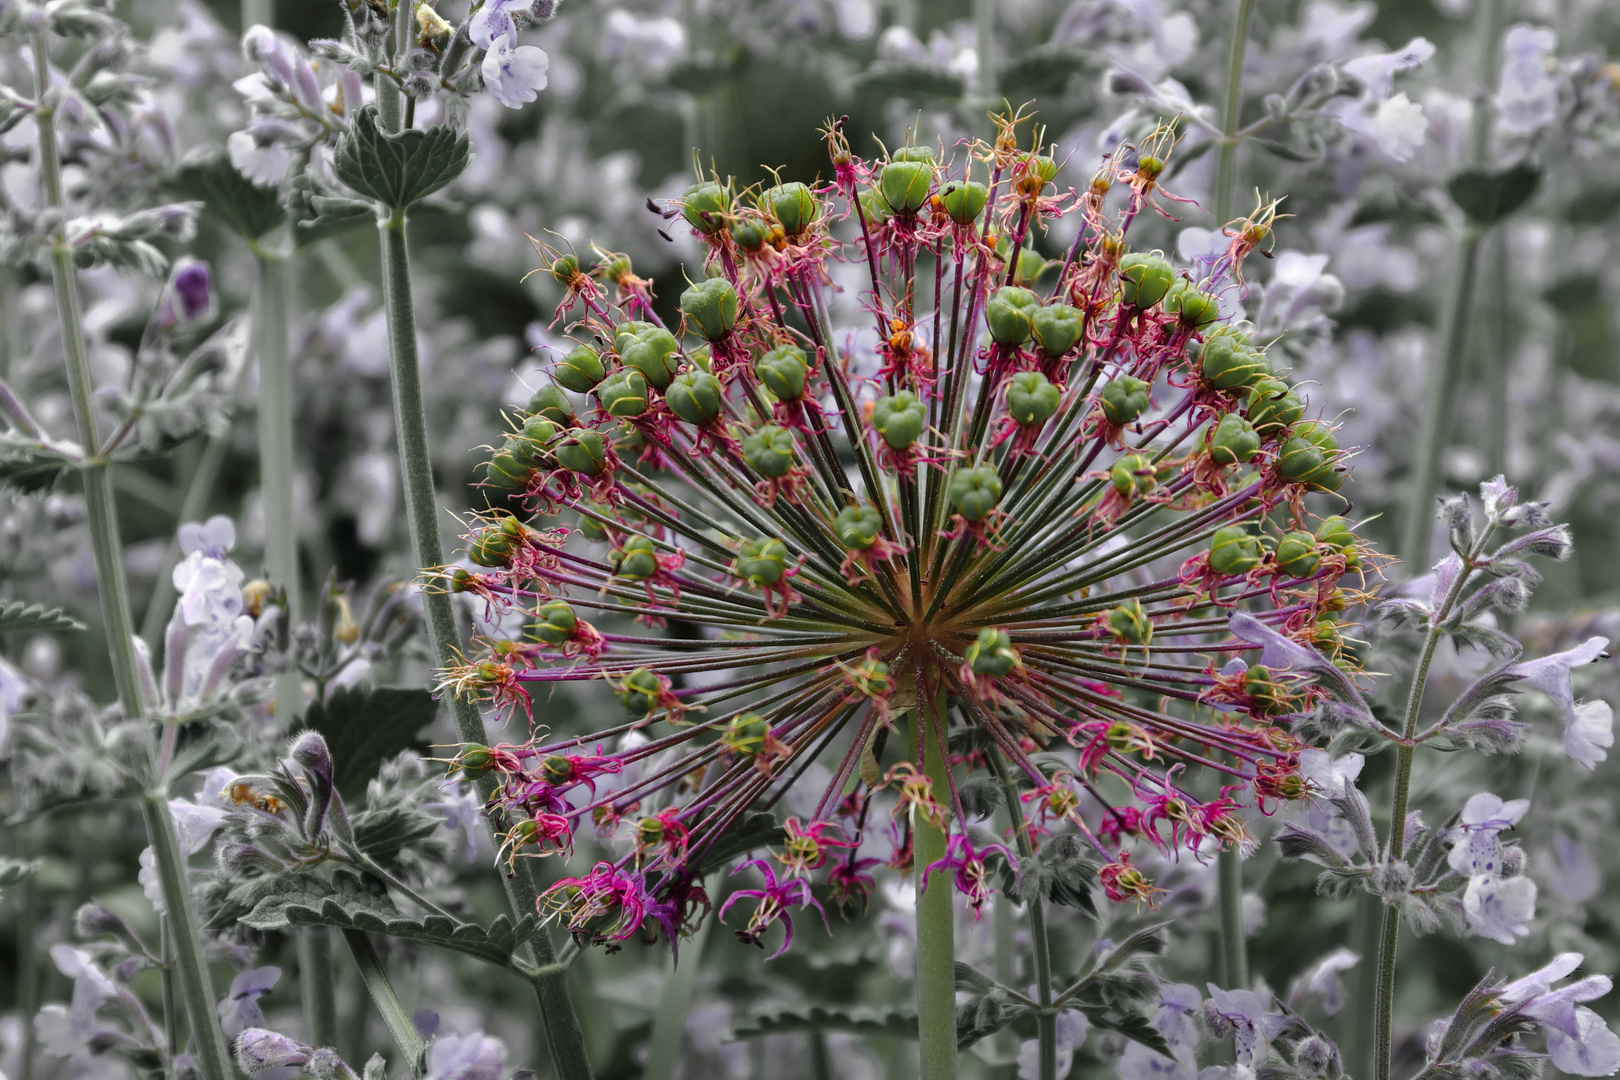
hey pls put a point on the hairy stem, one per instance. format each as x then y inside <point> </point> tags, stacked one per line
<point>276,465</point>
<point>382,994</point>
<point>317,985</point>
<point>674,1002</point>
<point>936,931</point>
<point>558,1020</point>
<point>1234,947</point>
<point>1039,942</point>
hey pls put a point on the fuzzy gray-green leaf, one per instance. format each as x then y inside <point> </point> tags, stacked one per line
<point>398,169</point>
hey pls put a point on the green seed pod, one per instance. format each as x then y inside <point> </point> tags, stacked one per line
<point>475,760</point>
<point>746,734</point>
<point>550,402</point>
<point>1326,636</point>
<point>1228,364</point>
<point>625,334</point>
<point>507,473</point>
<point>1273,406</point>
<point>459,579</point>
<point>874,206</point>
<point>1234,441</point>
<point>624,393</point>
<point>974,492</point>
<point>583,451</point>
<point>1297,555</point>
<point>1130,624</point>
<point>1133,473</point>
<point>783,371</point>
<point>705,208</point>
<point>899,419</point>
<point>1319,435</point>
<point>1031,398</point>
<point>964,200</point>
<point>656,354</point>
<point>1057,328</point>
<point>1042,168</point>
<point>1337,532</point>
<point>529,445</point>
<point>564,269</point>
<point>858,526</point>
<point>992,653</point>
<point>711,308</point>
<point>628,441</point>
<point>1269,695</point>
<point>761,563</point>
<point>1232,551</point>
<point>1144,278</point>
<point>695,397</point>
<point>1031,265</point>
<point>794,206</point>
<point>554,624</point>
<point>1196,308</point>
<point>580,370</point>
<point>495,545</point>
<point>640,692</point>
<point>1010,315</point>
<point>1300,460</point>
<point>905,184</point>
<point>770,451</point>
<point>589,527</point>
<point>1124,400</point>
<point>924,154</point>
<point>637,560</point>
<point>750,234</point>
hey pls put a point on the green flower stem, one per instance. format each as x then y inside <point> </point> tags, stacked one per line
<point>213,1060</point>
<point>936,929</point>
<point>1226,155</point>
<point>984,30</point>
<point>317,985</point>
<point>1234,947</point>
<point>558,1020</point>
<point>1039,942</point>
<point>171,1009</point>
<point>387,1002</point>
<point>1498,358</point>
<point>674,1002</point>
<point>258,13</point>
<point>190,968</point>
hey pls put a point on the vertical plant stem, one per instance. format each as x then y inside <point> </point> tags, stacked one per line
<point>984,29</point>
<point>276,465</point>
<point>1039,942</point>
<point>27,985</point>
<point>1498,356</point>
<point>317,985</point>
<point>936,929</point>
<point>213,1060</point>
<point>674,1002</point>
<point>171,1012</point>
<point>1234,946</point>
<point>383,997</point>
<point>559,1021</point>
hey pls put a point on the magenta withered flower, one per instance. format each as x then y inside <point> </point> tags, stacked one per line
<point>988,519</point>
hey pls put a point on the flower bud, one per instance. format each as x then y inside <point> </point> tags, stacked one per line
<point>475,760</point>
<point>1057,328</point>
<point>582,451</point>
<point>1010,315</point>
<point>655,353</point>
<point>761,562</point>
<point>964,200</point>
<point>1297,555</point>
<point>309,751</point>
<point>637,560</point>
<point>695,397</point>
<point>899,419</point>
<point>550,402</point>
<point>858,526</point>
<point>746,734</point>
<point>1144,278</point>
<point>580,370</point>
<point>1234,441</point>
<point>1318,1058</point>
<point>974,492</point>
<point>711,307</point>
<point>750,234</point>
<point>1232,551</point>
<point>1228,364</point>
<point>507,474</point>
<point>783,371</point>
<point>1337,532</point>
<point>1270,697</point>
<point>794,206</point>
<point>1130,624</point>
<point>705,207</point>
<point>94,920</point>
<point>640,692</point>
<point>905,181</point>
<point>1197,308</point>
<point>554,623</point>
<point>1300,460</point>
<point>1273,406</point>
<point>495,545</point>
<point>770,451</point>
<point>1123,400</point>
<point>1132,474</point>
<point>1039,171</point>
<point>530,444</point>
<point>992,654</point>
<point>564,269</point>
<point>624,393</point>
<point>1031,398</point>
<point>258,1050</point>
<point>874,206</point>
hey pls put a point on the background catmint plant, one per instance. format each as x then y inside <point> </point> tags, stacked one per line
<point>825,538</point>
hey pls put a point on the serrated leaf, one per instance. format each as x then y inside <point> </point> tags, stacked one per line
<point>917,82</point>
<point>28,468</point>
<point>247,209</point>
<point>985,1014</point>
<point>1045,69</point>
<point>381,833</point>
<point>17,615</point>
<point>364,727</point>
<point>333,217</point>
<point>862,1021</point>
<point>1133,1026</point>
<point>398,169</point>
<point>1489,195</point>
<point>1285,151</point>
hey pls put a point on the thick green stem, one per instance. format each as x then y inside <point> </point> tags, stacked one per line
<point>387,1002</point>
<point>1226,159</point>
<point>276,466</point>
<point>559,1021</point>
<point>1039,942</point>
<point>984,29</point>
<point>190,968</point>
<point>936,929</point>
<point>1234,946</point>
<point>674,1002</point>
<point>317,989</point>
<point>171,1009</point>
<point>1498,356</point>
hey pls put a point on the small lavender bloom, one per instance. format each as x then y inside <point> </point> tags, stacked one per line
<point>239,1009</point>
<point>1378,70</point>
<point>1071,1029</point>
<point>1300,293</point>
<point>465,1057</point>
<point>15,688</point>
<point>1578,1041</point>
<point>495,22</point>
<point>1254,1025</point>
<point>1323,980</point>
<point>650,46</point>
<point>1575,877</point>
<point>1588,727</point>
<point>1476,840</point>
<point>1528,96</point>
<point>262,163</point>
<point>1331,778</point>
<point>1500,908</point>
<point>515,76</point>
<point>1176,1019</point>
<point>192,284</point>
<point>259,1050</point>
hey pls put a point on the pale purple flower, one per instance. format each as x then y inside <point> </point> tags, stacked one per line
<point>1176,1018</point>
<point>1578,1040</point>
<point>1378,70</point>
<point>515,76</point>
<point>1071,1028</point>
<point>649,45</point>
<point>1589,727</point>
<point>1476,841</point>
<point>463,816</point>
<point>1333,29</point>
<point>1574,876</point>
<point>239,1009</point>
<point>1500,908</point>
<point>259,1050</point>
<point>1590,733</point>
<point>1255,1025</point>
<point>1528,97</point>
<point>190,295</point>
<point>1592,1050</point>
<point>494,21</point>
<point>1395,125</point>
<point>15,688</point>
<point>1330,778</point>
<point>465,1057</point>
<point>1324,980</point>
<point>263,163</point>
<point>1300,293</point>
